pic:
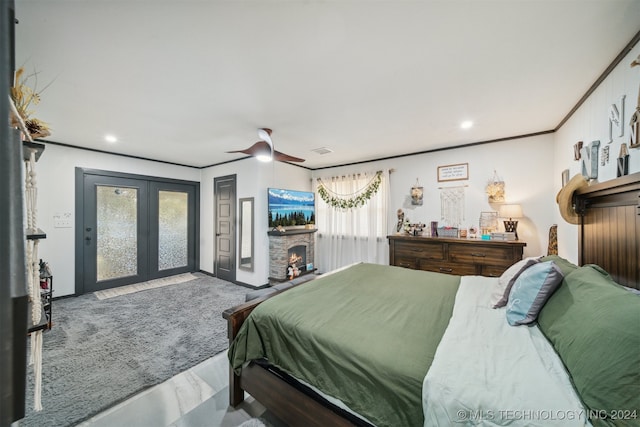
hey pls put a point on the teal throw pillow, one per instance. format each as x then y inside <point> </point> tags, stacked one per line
<point>531,290</point>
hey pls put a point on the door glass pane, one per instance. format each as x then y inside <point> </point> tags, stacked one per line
<point>117,232</point>
<point>173,208</point>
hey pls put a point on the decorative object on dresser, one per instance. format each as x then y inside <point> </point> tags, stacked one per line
<point>454,255</point>
<point>488,223</point>
<point>511,211</point>
<point>400,214</point>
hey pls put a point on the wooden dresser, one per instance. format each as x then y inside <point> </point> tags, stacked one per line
<point>454,255</point>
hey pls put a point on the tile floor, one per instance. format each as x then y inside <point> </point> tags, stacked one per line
<point>198,397</point>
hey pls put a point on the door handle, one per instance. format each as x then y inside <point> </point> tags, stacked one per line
<point>88,238</point>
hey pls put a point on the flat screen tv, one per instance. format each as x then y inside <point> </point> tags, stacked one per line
<point>289,208</point>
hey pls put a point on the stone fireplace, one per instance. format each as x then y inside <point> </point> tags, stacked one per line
<point>295,248</point>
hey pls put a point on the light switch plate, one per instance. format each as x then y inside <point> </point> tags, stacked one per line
<point>62,220</point>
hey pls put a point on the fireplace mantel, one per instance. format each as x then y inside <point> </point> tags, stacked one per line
<point>293,231</point>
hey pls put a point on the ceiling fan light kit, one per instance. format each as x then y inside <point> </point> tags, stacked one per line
<point>263,149</point>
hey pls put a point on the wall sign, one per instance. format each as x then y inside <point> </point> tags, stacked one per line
<point>457,172</point>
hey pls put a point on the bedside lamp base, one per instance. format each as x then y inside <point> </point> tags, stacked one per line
<point>511,227</point>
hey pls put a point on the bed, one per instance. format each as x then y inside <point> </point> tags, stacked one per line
<point>381,345</point>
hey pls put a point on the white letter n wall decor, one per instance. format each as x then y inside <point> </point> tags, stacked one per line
<point>589,160</point>
<point>616,118</point>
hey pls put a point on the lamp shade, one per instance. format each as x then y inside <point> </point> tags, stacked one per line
<point>511,211</point>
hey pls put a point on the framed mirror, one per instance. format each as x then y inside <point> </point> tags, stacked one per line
<point>246,234</point>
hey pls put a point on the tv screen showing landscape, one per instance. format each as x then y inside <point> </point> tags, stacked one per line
<point>290,207</point>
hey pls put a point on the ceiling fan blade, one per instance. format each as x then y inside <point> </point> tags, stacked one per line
<point>281,157</point>
<point>259,147</point>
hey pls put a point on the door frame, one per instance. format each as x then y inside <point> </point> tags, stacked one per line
<point>79,215</point>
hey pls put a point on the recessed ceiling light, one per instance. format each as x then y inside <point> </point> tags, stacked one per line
<point>111,139</point>
<point>466,124</point>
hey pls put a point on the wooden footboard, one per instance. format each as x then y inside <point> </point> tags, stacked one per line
<point>235,317</point>
<point>279,396</point>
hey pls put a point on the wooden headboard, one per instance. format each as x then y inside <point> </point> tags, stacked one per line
<point>609,232</point>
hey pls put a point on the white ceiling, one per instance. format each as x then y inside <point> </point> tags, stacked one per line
<point>185,81</point>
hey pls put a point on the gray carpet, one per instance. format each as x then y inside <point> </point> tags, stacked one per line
<point>100,353</point>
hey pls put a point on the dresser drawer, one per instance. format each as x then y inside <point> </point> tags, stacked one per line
<point>493,270</point>
<point>485,255</point>
<point>419,250</point>
<point>448,268</point>
<point>406,262</point>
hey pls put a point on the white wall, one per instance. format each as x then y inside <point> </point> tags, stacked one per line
<point>56,194</point>
<point>590,123</point>
<point>524,164</point>
<point>252,180</point>
<point>531,168</point>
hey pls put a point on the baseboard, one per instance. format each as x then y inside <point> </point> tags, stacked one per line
<point>237,282</point>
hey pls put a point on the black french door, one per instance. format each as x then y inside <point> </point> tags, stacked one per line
<point>132,229</point>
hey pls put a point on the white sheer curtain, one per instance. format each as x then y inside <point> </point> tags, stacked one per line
<point>353,235</point>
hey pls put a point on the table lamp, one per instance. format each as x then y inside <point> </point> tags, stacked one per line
<point>511,211</point>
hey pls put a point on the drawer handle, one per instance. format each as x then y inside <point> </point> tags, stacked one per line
<point>479,255</point>
<point>446,270</point>
<point>404,264</point>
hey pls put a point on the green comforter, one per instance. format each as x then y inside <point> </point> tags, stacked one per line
<point>366,335</point>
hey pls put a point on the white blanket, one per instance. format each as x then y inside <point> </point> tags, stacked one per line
<point>488,373</point>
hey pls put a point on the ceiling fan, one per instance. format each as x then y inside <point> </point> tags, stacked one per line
<point>263,149</point>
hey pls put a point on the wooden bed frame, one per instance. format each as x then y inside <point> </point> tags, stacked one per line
<point>609,235</point>
<point>609,230</point>
<point>287,400</point>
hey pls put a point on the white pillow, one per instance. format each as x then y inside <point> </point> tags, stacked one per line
<point>500,292</point>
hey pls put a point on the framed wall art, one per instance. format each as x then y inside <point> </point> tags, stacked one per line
<point>457,172</point>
